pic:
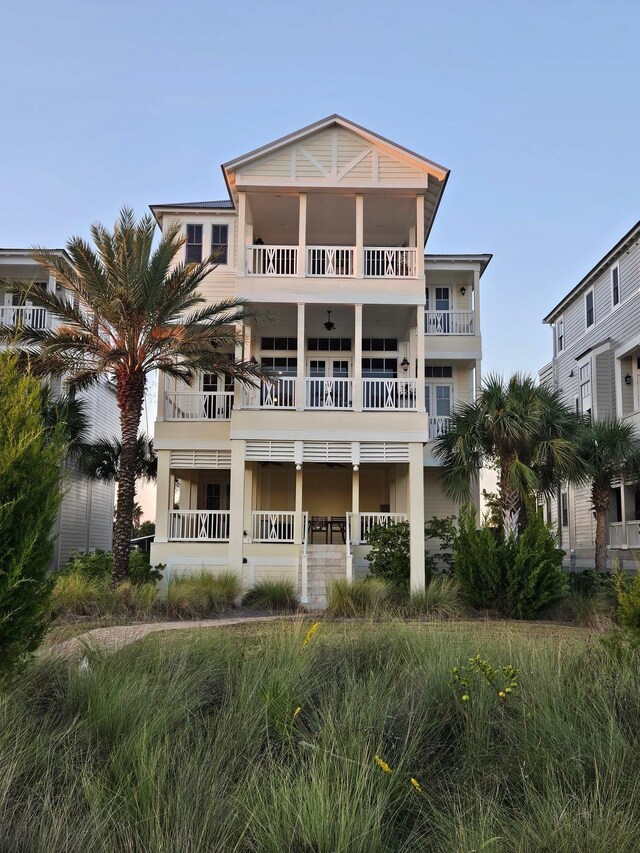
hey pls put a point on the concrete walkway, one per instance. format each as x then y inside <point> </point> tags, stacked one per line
<point>117,636</point>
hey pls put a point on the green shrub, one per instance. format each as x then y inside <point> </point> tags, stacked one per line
<point>368,597</point>
<point>443,529</point>
<point>203,594</point>
<point>628,594</point>
<point>77,594</point>
<point>516,576</point>
<point>389,557</point>
<point>99,564</point>
<point>31,461</point>
<point>272,595</point>
<point>590,581</point>
<point>441,599</point>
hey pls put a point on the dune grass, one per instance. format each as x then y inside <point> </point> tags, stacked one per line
<point>253,741</point>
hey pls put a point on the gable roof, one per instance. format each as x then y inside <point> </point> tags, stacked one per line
<point>630,237</point>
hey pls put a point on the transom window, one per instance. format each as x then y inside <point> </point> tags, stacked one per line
<point>194,244</point>
<point>329,344</point>
<point>279,344</point>
<point>438,371</point>
<point>379,344</point>
<point>615,285</point>
<point>379,368</point>
<point>588,309</point>
<point>220,243</point>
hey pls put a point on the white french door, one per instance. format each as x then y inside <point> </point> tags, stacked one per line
<point>329,383</point>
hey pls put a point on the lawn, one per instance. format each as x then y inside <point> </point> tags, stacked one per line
<point>250,740</point>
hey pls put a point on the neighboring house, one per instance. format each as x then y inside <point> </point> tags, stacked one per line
<point>373,343</point>
<point>85,518</point>
<point>596,368</point>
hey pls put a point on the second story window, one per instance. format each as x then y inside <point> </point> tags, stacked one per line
<point>615,286</point>
<point>588,309</point>
<point>220,243</point>
<point>585,389</point>
<point>560,334</point>
<point>194,244</point>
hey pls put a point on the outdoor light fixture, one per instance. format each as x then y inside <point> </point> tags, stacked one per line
<point>404,364</point>
<point>329,326</point>
<point>463,290</point>
<point>298,467</point>
<point>252,360</point>
<point>356,467</point>
<point>627,379</point>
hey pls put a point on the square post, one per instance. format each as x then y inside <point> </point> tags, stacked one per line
<point>416,516</point>
<point>358,265</point>
<point>236,508</point>
<point>420,354</point>
<point>302,234</point>
<point>420,236</point>
<point>300,367</point>
<point>357,359</point>
<point>241,239</point>
<point>164,496</point>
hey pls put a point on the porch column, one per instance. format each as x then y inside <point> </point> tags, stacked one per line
<point>238,355</point>
<point>236,507</point>
<point>51,283</point>
<point>300,368</point>
<point>355,505</point>
<point>357,360</point>
<point>164,496</point>
<point>416,516</point>
<point>476,302</point>
<point>358,266</point>
<point>478,379</point>
<point>623,511</point>
<point>302,234</point>
<point>161,393</point>
<point>420,236</point>
<point>420,351</point>
<point>241,239</point>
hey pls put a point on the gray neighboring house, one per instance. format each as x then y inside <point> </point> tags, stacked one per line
<point>85,518</point>
<point>596,368</point>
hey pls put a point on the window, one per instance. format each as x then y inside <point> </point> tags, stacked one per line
<point>438,400</point>
<point>585,389</point>
<point>438,371</point>
<point>560,334</point>
<point>329,344</point>
<point>379,368</point>
<point>194,244</point>
<point>379,344</point>
<point>564,504</point>
<point>282,366</point>
<point>220,242</point>
<point>615,286</point>
<point>442,300</point>
<point>588,308</point>
<point>269,344</point>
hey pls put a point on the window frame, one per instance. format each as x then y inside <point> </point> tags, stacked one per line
<point>564,510</point>
<point>224,259</point>
<point>587,324</point>
<point>615,286</point>
<point>189,244</point>
<point>560,337</point>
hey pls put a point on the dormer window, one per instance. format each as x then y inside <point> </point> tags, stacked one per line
<point>615,286</point>
<point>194,244</point>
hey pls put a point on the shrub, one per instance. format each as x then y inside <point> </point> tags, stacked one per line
<point>99,564</point>
<point>203,594</point>
<point>443,529</point>
<point>139,599</point>
<point>628,594</point>
<point>369,597</point>
<point>31,460</point>
<point>77,594</point>
<point>272,595</point>
<point>516,576</point>
<point>441,599</point>
<point>389,557</point>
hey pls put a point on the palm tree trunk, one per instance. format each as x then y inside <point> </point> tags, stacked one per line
<point>130,395</point>
<point>600,500</point>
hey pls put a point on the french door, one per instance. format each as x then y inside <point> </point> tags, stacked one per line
<point>328,384</point>
<point>217,404</point>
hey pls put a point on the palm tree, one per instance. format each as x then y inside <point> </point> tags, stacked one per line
<point>68,410</point>
<point>608,451</point>
<point>134,310</point>
<point>521,427</point>
<point>101,459</point>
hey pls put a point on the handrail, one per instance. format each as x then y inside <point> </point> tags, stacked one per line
<point>196,525</point>
<point>449,322</point>
<point>198,406</point>
<point>273,526</point>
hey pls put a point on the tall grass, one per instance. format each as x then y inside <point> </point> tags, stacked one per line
<point>203,594</point>
<point>273,595</point>
<point>371,597</point>
<point>196,743</point>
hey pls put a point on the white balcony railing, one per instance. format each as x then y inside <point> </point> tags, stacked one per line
<point>329,393</point>
<point>633,534</point>
<point>359,524</point>
<point>272,260</point>
<point>386,394</point>
<point>272,526</point>
<point>448,323</point>
<point>438,426</point>
<point>195,525</point>
<point>330,261</point>
<point>198,406</point>
<point>616,534</point>
<point>24,315</point>
<point>278,395</point>
<point>383,262</point>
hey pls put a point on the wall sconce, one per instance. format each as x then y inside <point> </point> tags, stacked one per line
<point>356,467</point>
<point>298,467</point>
<point>572,374</point>
<point>463,290</point>
<point>627,379</point>
<point>404,364</point>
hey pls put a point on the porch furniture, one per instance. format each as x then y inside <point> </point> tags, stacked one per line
<point>318,524</point>
<point>338,524</point>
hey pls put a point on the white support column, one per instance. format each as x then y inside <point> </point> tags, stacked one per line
<point>355,505</point>
<point>416,516</point>
<point>623,511</point>
<point>238,355</point>
<point>358,266</point>
<point>420,354</point>
<point>300,353</point>
<point>241,237</point>
<point>164,496</point>
<point>478,378</point>
<point>297,520</point>
<point>357,359</point>
<point>236,508</point>
<point>617,375</point>
<point>476,302</point>
<point>51,283</point>
<point>420,236</point>
<point>302,234</point>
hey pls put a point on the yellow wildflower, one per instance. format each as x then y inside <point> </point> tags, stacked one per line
<point>416,784</point>
<point>502,694</point>
<point>297,711</point>
<point>382,764</point>
<point>465,698</point>
<point>310,633</point>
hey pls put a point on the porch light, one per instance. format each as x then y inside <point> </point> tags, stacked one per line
<point>329,326</point>
<point>404,364</point>
<point>298,467</point>
<point>356,467</point>
<point>627,379</point>
<point>463,290</point>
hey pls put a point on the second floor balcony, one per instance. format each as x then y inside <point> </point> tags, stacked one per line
<point>332,261</point>
<point>33,316</point>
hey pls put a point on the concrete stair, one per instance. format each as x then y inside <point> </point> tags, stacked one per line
<point>324,562</point>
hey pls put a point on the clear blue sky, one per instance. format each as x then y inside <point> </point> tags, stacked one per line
<point>534,106</point>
